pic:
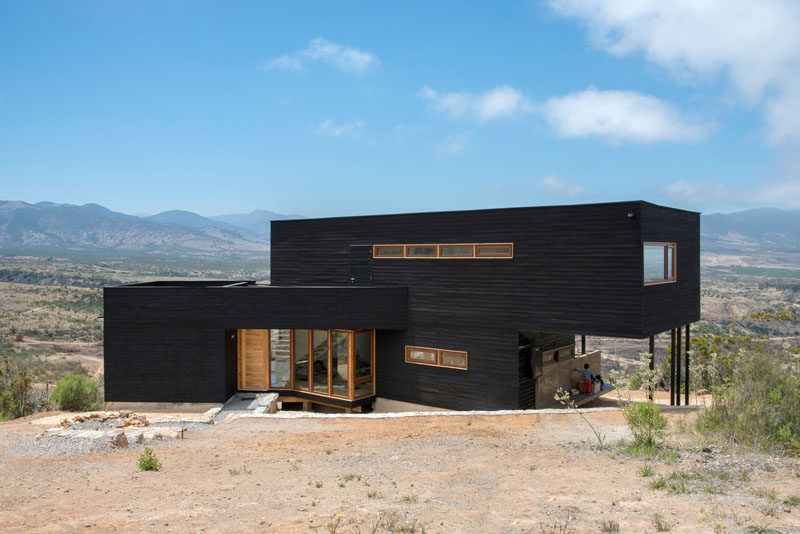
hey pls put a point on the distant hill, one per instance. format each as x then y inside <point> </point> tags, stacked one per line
<point>91,227</point>
<point>255,222</point>
<point>760,229</point>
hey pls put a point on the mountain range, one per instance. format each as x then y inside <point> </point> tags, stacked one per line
<point>51,226</point>
<point>760,230</point>
<point>65,227</point>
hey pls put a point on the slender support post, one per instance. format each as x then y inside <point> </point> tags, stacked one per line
<point>652,365</point>
<point>583,344</point>
<point>678,332</point>
<point>672,369</point>
<point>686,358</point>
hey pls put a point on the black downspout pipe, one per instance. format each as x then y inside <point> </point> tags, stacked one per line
<point>672,369</point>
<point>678,332</point>
<point>652,365</point>
<point>583,344</point>
<point>686,356</point>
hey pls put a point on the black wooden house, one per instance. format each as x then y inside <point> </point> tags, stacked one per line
<point>462,310</point>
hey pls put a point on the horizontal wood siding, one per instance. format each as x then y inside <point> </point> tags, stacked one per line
<point>165,363</point>
<point>576,269</point>
<point>670,305</point>
<point>178,344</point>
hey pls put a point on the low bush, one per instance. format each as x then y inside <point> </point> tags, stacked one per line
<point>756,389</point>
<point>16,392</point>
<point>148,461</point>
<point>647,424</point>
<point>75,393</point>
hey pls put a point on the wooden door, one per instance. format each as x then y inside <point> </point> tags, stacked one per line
<point>253,359</point>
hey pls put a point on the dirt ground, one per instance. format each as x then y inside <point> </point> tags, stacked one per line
<point>502,473</point>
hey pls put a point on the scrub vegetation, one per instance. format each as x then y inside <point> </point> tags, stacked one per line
<point>51,320</point>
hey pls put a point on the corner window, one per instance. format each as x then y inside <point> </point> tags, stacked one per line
<point>659,263</point>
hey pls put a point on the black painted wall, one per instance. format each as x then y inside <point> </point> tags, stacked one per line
<point>176,343</point>
<point>576,270</point>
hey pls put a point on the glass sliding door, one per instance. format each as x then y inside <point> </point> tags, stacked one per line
<point>279,361</point>
<point>321,368</point>
<point>300,357</point>
<point>363,363</point>
<point>339,363</point>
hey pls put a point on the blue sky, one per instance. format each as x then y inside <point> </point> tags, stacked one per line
<point>375,107</point>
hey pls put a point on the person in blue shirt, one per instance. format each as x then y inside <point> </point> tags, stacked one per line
<point>587,378</point>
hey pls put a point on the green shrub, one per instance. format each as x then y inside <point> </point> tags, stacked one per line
<point>148,460</point>
<point>646,423</point>
<point>756,389</point>
<point>16,392</point>
<point>75,393</point>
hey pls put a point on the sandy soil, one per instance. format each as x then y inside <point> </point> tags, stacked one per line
<point>512,473</point>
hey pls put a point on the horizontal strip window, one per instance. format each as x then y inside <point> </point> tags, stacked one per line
<point>444,250</point>
<point>558,355</point>
<point>454,359</point>
<point>659,263</point>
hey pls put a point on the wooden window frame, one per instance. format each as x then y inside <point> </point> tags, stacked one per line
<point>418,256</point>
<point>376,255</point>
<point>438,353</point>
<point>457,256</point>
<point>351,356</point>
<point>667,246</point>
<point>510,253</point>
<point>269,361</point>
<point>476,254</point>
<point>363,379</point>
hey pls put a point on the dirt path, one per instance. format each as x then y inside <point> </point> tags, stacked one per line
<point>509,474</point>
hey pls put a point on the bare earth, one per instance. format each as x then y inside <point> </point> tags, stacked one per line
<point>502,473</point>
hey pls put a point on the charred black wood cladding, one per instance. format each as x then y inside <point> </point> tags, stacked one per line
<point>178,344</point>
<point>667,306</point>
<point>576,269</point>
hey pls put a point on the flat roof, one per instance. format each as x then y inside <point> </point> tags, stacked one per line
<point>496,210</point>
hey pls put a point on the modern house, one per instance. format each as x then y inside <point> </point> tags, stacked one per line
<point>460,310</point>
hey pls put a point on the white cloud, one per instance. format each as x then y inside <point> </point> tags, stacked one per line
<point>332,129</point>
<point>452,145</point>
<point>560,186</point>
<point>695,193</point>
<point>500,102</point>
<point>781,193</point>
<point>283,62</point>
<point>619,116</point>
<point>754,46</point>
<point>345,58</point>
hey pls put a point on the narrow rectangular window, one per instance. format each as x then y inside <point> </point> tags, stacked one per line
<point>319,370</point>
<point>421,251</point>
<point>300,356</point>
<point>456,251</point>
<point>444,250</point>
<point>437,357</point>
<point>387,251</point>
<point>494,250</point>
<point>421,355</point>
<point>658,263</point>
<point>279,361</point>
<point>454,359</point>
<point>339,363</point>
